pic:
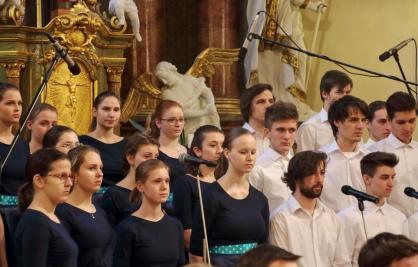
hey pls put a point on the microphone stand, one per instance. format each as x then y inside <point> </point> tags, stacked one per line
<point>361,208</point>
<point>272,42</point>
<point>396,57</point>
<point>205,234</point>
<point>29,111</point>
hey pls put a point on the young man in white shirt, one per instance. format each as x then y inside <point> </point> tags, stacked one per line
<point>413,227</point>
<point>266,255</point>
<point>401,108</point>
<point>378,124</point>
<point>347,117</point>
<point>378,170</point>
<point>281,122</point>
<point>303,224</point>
<point>316,132</point>
<point>253,104</point>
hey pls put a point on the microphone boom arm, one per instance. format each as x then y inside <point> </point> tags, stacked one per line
<point>272,42</point>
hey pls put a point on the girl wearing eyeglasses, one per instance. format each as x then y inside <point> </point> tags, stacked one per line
<point>106,114</point>
<point>42,118</point>
<point>167,124</point>
<point>87,222</point>
<point>61,137</point>
<point>149,237</point>
<point>115,201</point>
<point>40,237</point>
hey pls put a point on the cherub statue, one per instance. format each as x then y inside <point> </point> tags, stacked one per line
<point>188,89</point>
<point>119,8</point>
<point>192,93</point>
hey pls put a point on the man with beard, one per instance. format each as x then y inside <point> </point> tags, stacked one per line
<point>303,224</point>
<point>347,117</point>
<point>378,170</point>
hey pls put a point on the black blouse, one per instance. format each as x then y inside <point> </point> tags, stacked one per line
<point>116,203</point>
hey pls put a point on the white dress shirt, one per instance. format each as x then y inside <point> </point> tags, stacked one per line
<point>267,176</point>
<point>370,142</point>
<point>261,141</point>
<point>377,220</point>
<point>406,171</point>
<point>314,133</point>
<point>413,227</point>
<point>341,169</point>
<point>318,238</point>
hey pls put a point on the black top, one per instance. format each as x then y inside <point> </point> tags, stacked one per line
<point>112,158</point>
<point>13,175</point>
<point>149,244</point>
<point>186,199</point>
<point>116,203</point>
<point>92,232</point>
<point>177,169</point>
<point>230,221</point>
<point>41,242</point>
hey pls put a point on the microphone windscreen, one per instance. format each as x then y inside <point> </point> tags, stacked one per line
<point>346,189</point>
<point>409,191</point>
<point>74,69</point>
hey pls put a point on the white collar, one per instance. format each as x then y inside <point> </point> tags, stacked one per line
<point>323,115</point>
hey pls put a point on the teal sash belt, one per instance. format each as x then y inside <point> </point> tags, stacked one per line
<point>102,190</point>
<point>8,200</point>
<point>238,249</point>
<point>170,198</point>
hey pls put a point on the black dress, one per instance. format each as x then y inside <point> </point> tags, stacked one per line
<point>13,173</point>
<point>116,203</point>
<point>149,244</point>
<point>112,158</point>
<point>177,169</point>
<point>41,242</point>
<point>92,232</point>
<point>186,199</point>
<point>237,223</point>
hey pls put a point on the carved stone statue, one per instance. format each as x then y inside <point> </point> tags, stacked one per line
<point>120,7</point>
<point>192,93</point>
<point>283,68</point>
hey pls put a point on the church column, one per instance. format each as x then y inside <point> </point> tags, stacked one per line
<point>218,21</point>
<point>13,72</point>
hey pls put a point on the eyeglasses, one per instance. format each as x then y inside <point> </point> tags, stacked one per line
<point>63,177</point>
<point>70,145</point>
<point>174,120</point>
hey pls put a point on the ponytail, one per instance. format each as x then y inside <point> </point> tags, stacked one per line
<point>136,196</point>
<point>25,196</point>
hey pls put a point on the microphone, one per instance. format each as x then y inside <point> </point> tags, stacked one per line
<point>394,50</point>
<point>348,190</point>
<point>410,192</point>
<point>244,48</point>
<point>62,52</point>
<point>196,161</point>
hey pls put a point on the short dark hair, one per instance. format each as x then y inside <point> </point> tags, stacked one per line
<point>386,248</point>
<point>265,254</point>
<point>334,78</point>
<point>53,135</point>
<point>303,164</point>
<point>248,95</point>
<point>280,111</point>
<point>374,160</point>
<point>399,102</point>
<point>373,107</point>
<point>340,110</point>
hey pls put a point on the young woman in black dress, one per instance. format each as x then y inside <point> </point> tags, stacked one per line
<point>42,118</point>
<point>40,238</point>
<point>86,222</point>
<point>149,237</point>
<point>115,201</point>
<point>167,125</point>
<point>206,144</point>
<point>236,214</point>
<point>62,138</point>
<point>13,173</point>
<point>106,113</point>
